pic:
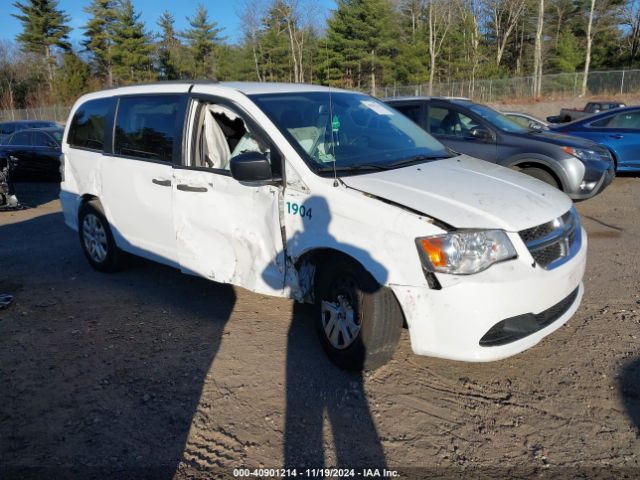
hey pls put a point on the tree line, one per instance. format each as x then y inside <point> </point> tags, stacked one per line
<point>361,44</point>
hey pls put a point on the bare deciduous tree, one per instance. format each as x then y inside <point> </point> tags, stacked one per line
<point>438,20</point>
<point>504,15</point>
<point>631,18</point>
<point>587,58</point>
<point>537,55</point>
<point>250,14</point>
<point>470,12</point>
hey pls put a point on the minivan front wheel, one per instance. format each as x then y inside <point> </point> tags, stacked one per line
<point>96,239</point>
<point>358,321</point>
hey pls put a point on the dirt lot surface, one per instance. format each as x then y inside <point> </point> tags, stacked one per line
<point>149,373</point>
<point>547,107</point>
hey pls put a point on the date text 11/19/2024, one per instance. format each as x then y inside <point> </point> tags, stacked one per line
<point>314,472</point>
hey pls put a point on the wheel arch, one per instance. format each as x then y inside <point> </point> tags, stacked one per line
<point>307,266</point>
<point>614,156</point>
<point>543,164</point>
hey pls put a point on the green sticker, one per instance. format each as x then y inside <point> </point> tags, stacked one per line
<point>335,123</point>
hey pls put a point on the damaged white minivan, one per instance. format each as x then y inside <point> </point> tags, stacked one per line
<point>325,196</point>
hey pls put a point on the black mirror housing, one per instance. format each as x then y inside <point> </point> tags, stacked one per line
<point>251,167</point>
<point>481,133</point>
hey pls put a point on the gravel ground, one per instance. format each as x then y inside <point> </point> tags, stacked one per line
<point>547,107</point>
<point>149,373</point>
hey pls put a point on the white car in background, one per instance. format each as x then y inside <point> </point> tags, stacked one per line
<point>325,196</point>
<point>527,121</point>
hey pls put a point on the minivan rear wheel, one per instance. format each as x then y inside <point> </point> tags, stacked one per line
<point>541,174</point>
<point>97,240</point>
<point>358,321</point>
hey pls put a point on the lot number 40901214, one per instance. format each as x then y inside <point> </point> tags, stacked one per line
<point>295,209</point>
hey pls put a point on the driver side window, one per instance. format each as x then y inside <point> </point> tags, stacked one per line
<point>446,121</point>
<point>221,134</point>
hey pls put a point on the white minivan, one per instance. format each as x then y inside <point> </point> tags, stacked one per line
<point>330,197</point>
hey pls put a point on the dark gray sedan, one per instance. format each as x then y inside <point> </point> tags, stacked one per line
<point>578,167</point>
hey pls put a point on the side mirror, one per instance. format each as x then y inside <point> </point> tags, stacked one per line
<point>481,133</point>
<point>251,167</point>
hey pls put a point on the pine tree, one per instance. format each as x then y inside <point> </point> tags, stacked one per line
<point>168,48</point>
<point>360,44</point>
<point>99,33</point>
<point>72,79</point>
<point>202,38</point>
<point>131,51</point>
<point>274,44</point>
<point>44,28</point>
<point>568,55</point>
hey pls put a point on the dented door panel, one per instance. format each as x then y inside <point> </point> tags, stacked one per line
<point>228,232</point>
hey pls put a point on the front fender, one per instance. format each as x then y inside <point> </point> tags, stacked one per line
<point>551,164</point>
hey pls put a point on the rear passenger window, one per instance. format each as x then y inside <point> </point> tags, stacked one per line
<point>21,138</point>
<point>145,127</point>
<point>88,124</point>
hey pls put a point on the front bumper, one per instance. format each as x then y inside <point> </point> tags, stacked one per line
<point>451,322</point>
<point>595,180</point>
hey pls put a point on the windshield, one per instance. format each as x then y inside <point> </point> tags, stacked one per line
<point>356,131</point>
<point>497,119</point>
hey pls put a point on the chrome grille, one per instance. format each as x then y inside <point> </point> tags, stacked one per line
<point>553,243</point>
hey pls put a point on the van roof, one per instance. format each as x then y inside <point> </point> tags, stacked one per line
<point>247,88</point>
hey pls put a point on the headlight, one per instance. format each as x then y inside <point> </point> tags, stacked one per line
<point>465,252</point>
<point>586,154</point>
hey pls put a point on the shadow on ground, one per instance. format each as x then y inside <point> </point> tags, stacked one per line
<point>101,375</point>
<point>630,391</point>
<point>34,194</point>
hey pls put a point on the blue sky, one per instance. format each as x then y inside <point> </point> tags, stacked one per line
<point>221,11</point>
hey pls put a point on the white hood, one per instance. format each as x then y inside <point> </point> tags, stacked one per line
<point>465,192</point>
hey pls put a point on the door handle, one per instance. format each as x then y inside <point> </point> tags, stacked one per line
<point>616,136</point>
<point>188,188</point>
<point>162,183</point>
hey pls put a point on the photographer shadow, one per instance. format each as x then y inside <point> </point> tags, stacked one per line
<point>629,386</point>
<point>324,401</point>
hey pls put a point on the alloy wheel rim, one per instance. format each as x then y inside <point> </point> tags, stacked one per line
<point>95,238</point>
<point>340,321</point>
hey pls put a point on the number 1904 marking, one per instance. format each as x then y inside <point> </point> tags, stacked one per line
<point>301,210</point>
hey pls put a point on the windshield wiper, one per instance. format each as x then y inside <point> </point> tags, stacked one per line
<point>384,166</point>
<point>352,168</point>
<point>416,159</point>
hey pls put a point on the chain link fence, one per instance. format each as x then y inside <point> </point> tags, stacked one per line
<point>559,85</point>
<point>57,113</point>
<point>554,86</point>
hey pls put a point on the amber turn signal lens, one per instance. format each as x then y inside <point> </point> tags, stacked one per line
<point>433,247</point>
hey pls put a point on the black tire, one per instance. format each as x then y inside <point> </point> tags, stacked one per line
<point>375,310</point>
<point>112,261</point>
<point>541,174</point>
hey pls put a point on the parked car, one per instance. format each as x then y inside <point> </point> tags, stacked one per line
<point>9,128</point>
<point>527,121</point>
<point>617,130</point>
<point>570,114</point>
<point>325,196</point>
<point>36,153</point>
<point>580,168</point>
